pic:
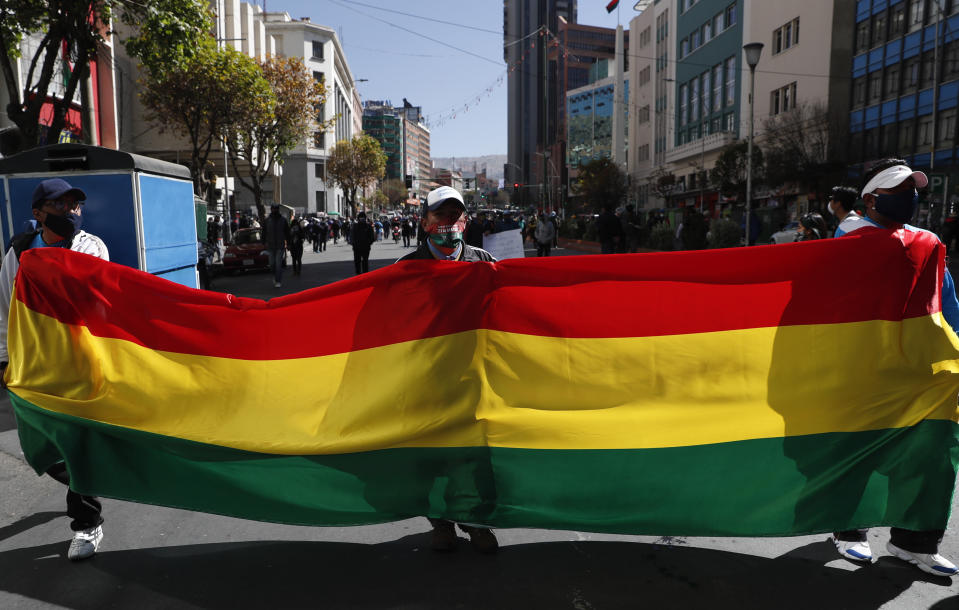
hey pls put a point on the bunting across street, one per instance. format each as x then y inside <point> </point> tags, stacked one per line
<point>696,393</point>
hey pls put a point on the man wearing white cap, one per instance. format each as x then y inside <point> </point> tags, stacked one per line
<point>891,200</point>
<point>444,220</point>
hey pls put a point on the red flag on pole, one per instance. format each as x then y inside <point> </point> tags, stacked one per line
<point>611,6</point>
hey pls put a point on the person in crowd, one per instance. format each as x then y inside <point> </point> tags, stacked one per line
<point>891,200</point>
<point>609,229</point>
<point>277,238</point>
<point>842,201</point>
<point>553,218</point>
<point>297,237</point>
<point>406,229</point>
<point>475,230</point>
<point>323,234</point>
<point>213,230</point>
<point>57,208</point>
<point>362,239</point>
<point>631,228</point>
<point>544,234</point>
<point>335,230</point>
<point>444,220</point>
<point>811,226</point>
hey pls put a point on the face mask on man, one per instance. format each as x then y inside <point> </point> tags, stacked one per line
<point>831,206</point>
<point>898,206</point>
<point>447,235</point>
<point>65,226</point>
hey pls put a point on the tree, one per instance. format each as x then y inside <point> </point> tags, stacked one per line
<point>729,173</point>
<point>72,33</point>
<point>376,200</point>
<point>803,147</point>
<point>663,182</point>
<point>395,191</point>
<point>601,182</point>
<point>203,97</point>
<point>356,164</point>
<point>272,122</point>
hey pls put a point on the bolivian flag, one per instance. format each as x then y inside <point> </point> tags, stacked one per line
<point>764,391</point>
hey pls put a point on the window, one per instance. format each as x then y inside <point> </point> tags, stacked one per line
<point>947,127</point>
<point>730,122</point>
<point>319,139</point>
<point>862,36</point>
<point>872,140</point>
<point>694,41</point>
<point>897,23</point>
<point>320,201</point>
<point>878,28</point>
<point>707,90</point>
<point>683,116</point>
<point>707,32</point>
<point>319,168</point>
<point>905,144</point>
<point>859,91</point>
<point>928,68</point>
<point>317,49</point>
<point>911,73</point>
<point>916,12</point>
<point>925,131</point>
<point>892,81</point>
<point>730,15</point>
<point>782,99</point>
<point>730,81</point>
<point>951,64</point>
<point>644,114</point>
<point>886,145</point>
<point>694,99</point>
<point>717,87</point>
<point>683,47</point>
<point>718,25</point>
<point>875,87</point>
<point>786,36</point>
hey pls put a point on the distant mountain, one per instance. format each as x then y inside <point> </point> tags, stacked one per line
<point>493,163</point>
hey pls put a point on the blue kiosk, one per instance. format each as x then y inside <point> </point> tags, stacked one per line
<point>142,208</point>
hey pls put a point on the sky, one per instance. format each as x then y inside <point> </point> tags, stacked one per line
<point>454,71</point>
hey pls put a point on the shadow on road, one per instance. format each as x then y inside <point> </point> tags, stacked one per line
<point>406,574</point>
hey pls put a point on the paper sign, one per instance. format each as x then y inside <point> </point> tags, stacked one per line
<point>503,245</point>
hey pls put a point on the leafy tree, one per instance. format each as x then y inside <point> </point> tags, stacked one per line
<point>376,200</point>
<point>203,97</point>
<point>271,122</point>
<point>356,164</point>
<point>601,182</point>
<point>72,33</point>
<point>395,191</point>
<point>663,182</point>
<point>803,147</point>
<point>729,173</point>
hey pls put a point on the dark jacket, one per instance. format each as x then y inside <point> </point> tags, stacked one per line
<point>470,254</point>
<point>277,231</point>
<point>363,236</point>
<point>608,226</point>
<point>474,232</point>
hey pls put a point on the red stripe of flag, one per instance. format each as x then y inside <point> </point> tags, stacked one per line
<point>611,6</point>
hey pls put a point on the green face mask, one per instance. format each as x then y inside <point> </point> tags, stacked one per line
<point>447,236</point>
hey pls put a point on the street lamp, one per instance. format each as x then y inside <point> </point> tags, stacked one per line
<point>753,50</point>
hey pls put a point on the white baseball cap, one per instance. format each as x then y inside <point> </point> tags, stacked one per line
<point>893,177</point>
<point>441,195</point>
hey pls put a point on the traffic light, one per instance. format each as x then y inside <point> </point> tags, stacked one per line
<point>516,185</point>
<point>409,181</point>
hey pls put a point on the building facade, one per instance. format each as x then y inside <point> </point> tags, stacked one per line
<point>532,86</point>
<point>905,91</point>
<point>590,124</point>
<point>385,125</point>
<point>306,183</point>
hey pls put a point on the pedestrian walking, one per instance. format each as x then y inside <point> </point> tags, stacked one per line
<point>610,230</point>
<point>361,239</point>
<point>277,238</point>
<point>444,219</point>
<point>57,208</point>
<point>324,234</point>
<point>543,235</point>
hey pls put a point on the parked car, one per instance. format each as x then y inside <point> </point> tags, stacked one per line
<point>787,234</point>
<point>246,251</point>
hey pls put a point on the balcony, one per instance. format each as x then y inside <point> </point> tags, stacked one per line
<point>695,148</point>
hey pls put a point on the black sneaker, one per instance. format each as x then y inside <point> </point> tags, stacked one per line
<point>444,538</point>
<point>483,539</point>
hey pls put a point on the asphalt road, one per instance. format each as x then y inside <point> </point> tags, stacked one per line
<point>154,557</point>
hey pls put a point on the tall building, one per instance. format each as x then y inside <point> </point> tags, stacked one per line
<point>579,53</point>
<point>416,144</point>
<point>590,125</point>
<point>306,184</point>
<point>905,90</point>
<point>385,125</point>
<point>532,87</point>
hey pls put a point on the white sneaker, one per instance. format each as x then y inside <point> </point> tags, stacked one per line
<point>85,543</point>
<point>929,563</point>
<point>853,549</point>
